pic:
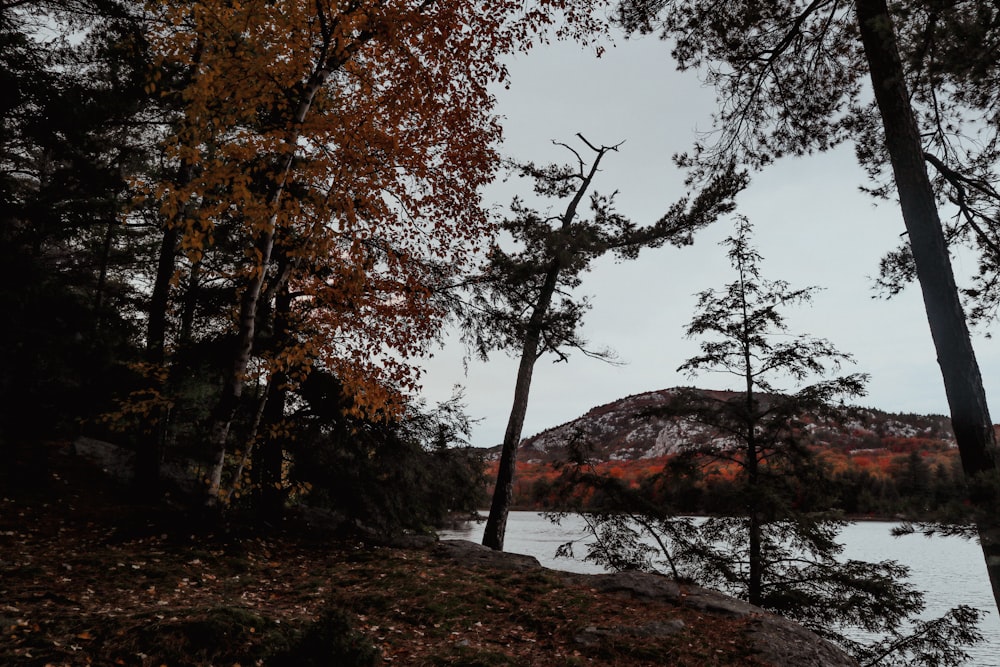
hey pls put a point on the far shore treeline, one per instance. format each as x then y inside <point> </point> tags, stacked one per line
<point>870,464</point>
<point>909,479</point>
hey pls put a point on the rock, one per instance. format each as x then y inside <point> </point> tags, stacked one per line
<point>635,584</point>
<point>775,640</point>
<point>779,641</point>
<point>476,554</point>
<point>412,541</point>
<point>181,477</point>
<point>117,462</point>
<point>591,635</point>
<point>714,602</point>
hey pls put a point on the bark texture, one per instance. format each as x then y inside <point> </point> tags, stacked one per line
<point>962,380</point>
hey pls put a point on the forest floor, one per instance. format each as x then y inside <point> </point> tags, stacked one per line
<point>88,579</point>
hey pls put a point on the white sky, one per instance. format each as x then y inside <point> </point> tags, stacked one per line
<point>812,226</point>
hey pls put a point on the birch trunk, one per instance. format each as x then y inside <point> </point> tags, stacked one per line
<point>232,391</point>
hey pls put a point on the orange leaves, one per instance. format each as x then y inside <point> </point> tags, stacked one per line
<point>143,406</point>
<point>341,150</point>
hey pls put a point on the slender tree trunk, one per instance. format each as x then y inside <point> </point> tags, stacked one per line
<point>754,555</point>
<point>251,440</point>
<point>225,410</point>
<point>503,493</point>
<point>102,276</point>
<point>190,305</point>
<point>156,326</point>
<point>963,384</point>
<point>232,390</point>
<point>755,525</point>
<point>269,493</point>
<point>150,453</point>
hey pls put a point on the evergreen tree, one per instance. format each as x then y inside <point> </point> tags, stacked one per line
<point>773,542</point>
<point>524,301</point>
<point>67,295</point>
<point>791,78</point>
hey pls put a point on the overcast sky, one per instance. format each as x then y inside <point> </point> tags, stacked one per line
<point>813,227</point>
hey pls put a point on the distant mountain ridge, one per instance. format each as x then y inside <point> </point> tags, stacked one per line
<point>617,431</point>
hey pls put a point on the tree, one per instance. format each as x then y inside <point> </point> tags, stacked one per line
<point>790,79</point>
<point>66,153</point>
<point>339,148</point>
<point>412,473</point>
<point>747,337</point>
<point>773,541</point>
<point>517,310</point>
<point>551,262</point>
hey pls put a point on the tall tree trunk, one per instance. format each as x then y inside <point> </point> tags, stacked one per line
<point>102,276</point>
<point>185,336</point>
<point>503,493</point>
<point>225,409</point>
<point>269,494</point>
<point>754,556</point>
<point>150,452</point>
<point>963,384</point>
<point>159,301</point>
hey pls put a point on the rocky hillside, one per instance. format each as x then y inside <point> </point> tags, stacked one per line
<point>624,431</point>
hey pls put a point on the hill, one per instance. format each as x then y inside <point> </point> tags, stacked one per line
<point>623,430</point>
<point>878,464</point>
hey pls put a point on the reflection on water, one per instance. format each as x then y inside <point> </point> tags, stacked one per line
<point>949,570</point>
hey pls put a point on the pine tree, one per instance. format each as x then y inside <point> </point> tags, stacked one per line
<point>524,302</point>
<point>793,77</point>
<point>773,543</point>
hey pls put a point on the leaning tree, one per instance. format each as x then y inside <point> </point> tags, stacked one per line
<point>524,301</point>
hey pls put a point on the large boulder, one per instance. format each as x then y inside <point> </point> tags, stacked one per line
<point>775,640</point>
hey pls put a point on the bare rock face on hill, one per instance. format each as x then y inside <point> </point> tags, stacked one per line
<point>773,640</point>
<point>626,430</point>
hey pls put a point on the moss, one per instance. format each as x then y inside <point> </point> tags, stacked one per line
<point>330,640</point>
<point>214,635</point>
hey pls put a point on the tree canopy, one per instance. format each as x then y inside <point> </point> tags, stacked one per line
<point>228,198</point>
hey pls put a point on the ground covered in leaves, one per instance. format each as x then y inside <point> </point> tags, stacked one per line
<point>88,579</point>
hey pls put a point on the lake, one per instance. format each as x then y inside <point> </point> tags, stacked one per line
<point>949,570</point>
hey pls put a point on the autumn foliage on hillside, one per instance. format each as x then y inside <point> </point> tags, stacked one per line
<point>910,477</point>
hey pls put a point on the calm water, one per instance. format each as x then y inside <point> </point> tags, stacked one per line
<point>950,571</point>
